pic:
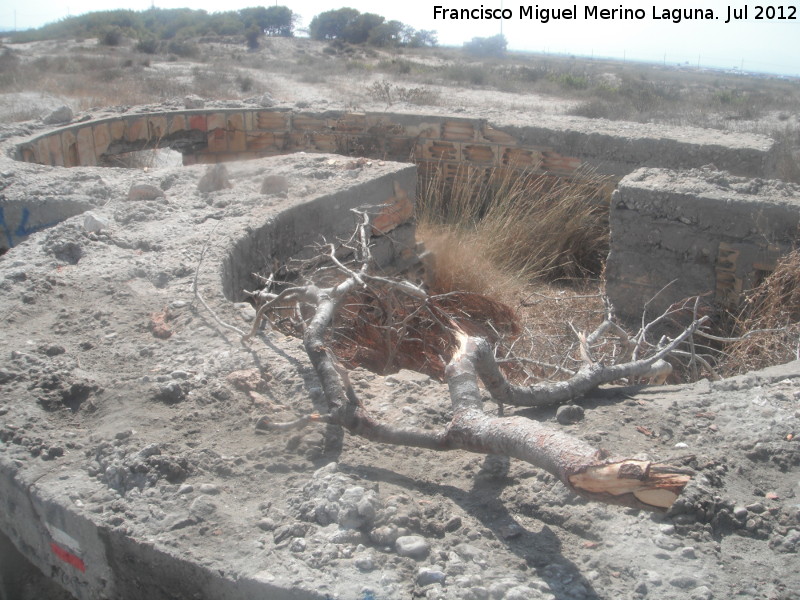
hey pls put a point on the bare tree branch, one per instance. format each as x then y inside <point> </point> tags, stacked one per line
<point>583,469</point>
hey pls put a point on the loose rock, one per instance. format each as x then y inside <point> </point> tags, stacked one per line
<point>412,546</point>
<point>145,191</point>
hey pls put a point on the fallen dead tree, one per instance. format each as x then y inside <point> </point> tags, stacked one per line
<point>585,470</point>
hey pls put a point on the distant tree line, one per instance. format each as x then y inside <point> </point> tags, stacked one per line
<point>494,46</point>
<point>351,26</point>
<point>157,27</point>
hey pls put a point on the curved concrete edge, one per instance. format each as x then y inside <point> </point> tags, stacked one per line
<point>40,509</point>
<point>21,218</point>
<point>94,561</point>
<point>546,145</point>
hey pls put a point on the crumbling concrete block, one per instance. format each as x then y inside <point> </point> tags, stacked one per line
<point>676,234</point>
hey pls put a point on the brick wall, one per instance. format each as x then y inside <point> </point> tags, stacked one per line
<point>556,148</point>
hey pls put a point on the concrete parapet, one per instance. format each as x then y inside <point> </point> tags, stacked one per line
<point>676,234</point>
<point>550,145</point>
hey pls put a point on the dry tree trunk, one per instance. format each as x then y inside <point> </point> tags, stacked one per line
<point>585,470</point>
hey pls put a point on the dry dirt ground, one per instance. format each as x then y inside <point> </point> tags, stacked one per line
<point>154,435</point>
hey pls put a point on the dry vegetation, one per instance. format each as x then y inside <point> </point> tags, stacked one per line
<point>769,324</point>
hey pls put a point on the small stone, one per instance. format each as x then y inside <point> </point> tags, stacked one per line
<point>427,576</point>
<point>518,592</point>
<point>667,529</point>
<point>653,578</point>
<point>702,593</point>
<point>54,350</point>
<point>454,524</point>
<point>266,100</point>
<point>569,414</point>
<point>684,582</point>
<point>94,224</point>
<point>208,488</point>
<point>214,179</point>
<point>275,184</point>
<point>55,452</point>
<point>665,543</point>
<point>63,114</point>
<point>385,535</point>
<point>267,524</point>
<point>509,532</point>
<point>191,102</point>
<point>298,545</point>
<point>150,450</point>
<point>145,191</point>
<point>688,552</point>
<point>169,393</point>
<point>365,562</point>
<point>740,512</point>
<point>477,593</point>
<point>412,546</point>
<point>177,521</point>
<point>186,488</point>
<point>681,445</point>
<point>203,506</point>
<point>756,507</point>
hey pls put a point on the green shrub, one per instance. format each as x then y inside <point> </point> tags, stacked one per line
<point>148,45</point>
<point>112,37</point>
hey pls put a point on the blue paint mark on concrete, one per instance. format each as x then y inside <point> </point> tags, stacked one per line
<point>5,228</point>
<point>23,229</point>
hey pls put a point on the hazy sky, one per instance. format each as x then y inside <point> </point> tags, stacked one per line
<point>753,44</point>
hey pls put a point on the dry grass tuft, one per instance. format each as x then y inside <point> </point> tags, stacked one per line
<point>495,229</point>
<point>770,321</point>
<point>461,264</point>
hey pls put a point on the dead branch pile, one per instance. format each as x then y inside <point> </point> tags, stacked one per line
<point>384,331</point>
<point>469,359</point>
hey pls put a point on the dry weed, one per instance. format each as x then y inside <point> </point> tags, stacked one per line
<point>769,324</point>
<point>460,263</point>
<point>527,225</point>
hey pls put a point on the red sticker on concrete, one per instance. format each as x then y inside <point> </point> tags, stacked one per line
<point>68,557</point>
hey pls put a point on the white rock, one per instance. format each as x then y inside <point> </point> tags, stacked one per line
<point>93,223</point>
<point>427,576</point>
<point>413,546</point>
<point>193,101</point>
<point>63,114</point>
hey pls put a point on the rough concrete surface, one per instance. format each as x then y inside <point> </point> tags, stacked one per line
<point>237,130</point>
<point>130,466</point>
<point>677,234</point>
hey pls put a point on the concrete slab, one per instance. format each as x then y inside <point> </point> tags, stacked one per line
<point>676,234</point>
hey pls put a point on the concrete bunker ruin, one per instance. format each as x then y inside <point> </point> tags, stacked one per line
<point>550,147</point>
<point>84,526</point>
